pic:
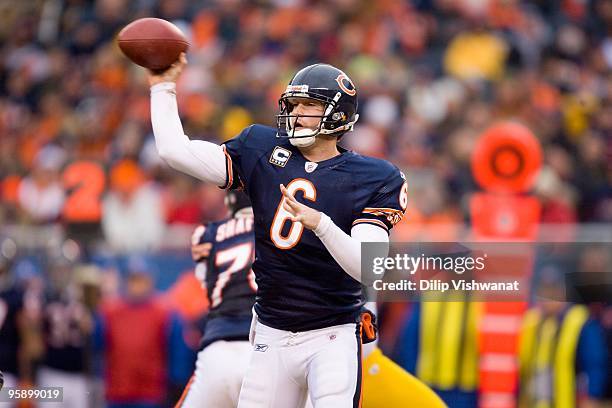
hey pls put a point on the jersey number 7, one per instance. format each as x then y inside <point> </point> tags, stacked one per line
<point>238,258</point>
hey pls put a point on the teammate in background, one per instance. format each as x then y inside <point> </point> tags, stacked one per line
<point>68,328</point>
<point>20,340</point>
<point>223,252</point>
<point>306,329</point>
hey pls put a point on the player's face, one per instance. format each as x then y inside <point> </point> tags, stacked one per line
<point>139,286</point>
<point>302,109</point>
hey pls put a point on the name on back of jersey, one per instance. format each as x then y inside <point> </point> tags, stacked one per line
<point>233,227</point>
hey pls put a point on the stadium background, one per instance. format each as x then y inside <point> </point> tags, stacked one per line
<point>81,182</point>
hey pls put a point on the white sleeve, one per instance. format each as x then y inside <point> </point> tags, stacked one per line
<point>200,272</point>
<point>198,158</point>
<point>368,348</point>
<point>346,249</point>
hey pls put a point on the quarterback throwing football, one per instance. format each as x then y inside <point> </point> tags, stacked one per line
<point>314,203</point>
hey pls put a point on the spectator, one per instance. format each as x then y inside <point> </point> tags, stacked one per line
<point>41,194</point>
<point>546,65</point>
<point>181,202</point>
<point>143,347</point>
<point>132,217</point>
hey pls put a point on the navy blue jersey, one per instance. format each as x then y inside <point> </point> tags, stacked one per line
<point>224,253</point>
<point>300,285</point>
<point>11,304</point>
<point>65,338</point>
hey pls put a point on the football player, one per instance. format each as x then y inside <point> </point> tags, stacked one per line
<point>67,329</point>
<point>223,252</point>
<point>314,204</point>
<point>20,338</point>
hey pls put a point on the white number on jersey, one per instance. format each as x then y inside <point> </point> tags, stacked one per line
<point>238,258</point>
<point>295,232</point>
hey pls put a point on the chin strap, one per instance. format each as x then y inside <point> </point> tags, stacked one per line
<point>302,141</point>
<point>307,138</point>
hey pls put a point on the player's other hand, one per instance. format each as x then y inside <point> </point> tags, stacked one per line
<point>302,213</point>
<point>171,74</point>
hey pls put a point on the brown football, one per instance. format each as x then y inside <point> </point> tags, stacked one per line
<point>152,43</point>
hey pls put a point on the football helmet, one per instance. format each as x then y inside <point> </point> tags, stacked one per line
<point>236,200</point>
<point>328,85</point>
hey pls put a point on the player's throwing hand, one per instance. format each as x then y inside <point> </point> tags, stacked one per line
<point>171,74</point>
<point>302,213</point>
<point>347,199</point>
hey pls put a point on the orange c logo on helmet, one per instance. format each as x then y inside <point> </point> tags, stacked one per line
<point>346,84</point>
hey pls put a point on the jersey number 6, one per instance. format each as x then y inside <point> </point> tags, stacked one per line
<point>282,216</point>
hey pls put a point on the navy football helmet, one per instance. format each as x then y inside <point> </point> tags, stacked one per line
<point>328,85</point>
<point>236,200</point>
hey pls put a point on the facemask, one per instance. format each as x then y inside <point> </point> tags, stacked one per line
<point>302,141</point>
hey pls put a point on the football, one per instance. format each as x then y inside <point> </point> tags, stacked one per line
<point>152,43</point>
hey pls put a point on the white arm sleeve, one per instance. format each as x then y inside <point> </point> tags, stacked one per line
<point>346,249</point>
<point>200,272</point>
<point>198,158</point>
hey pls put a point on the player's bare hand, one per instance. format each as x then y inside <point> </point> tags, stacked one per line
<point>171,74</point>
<point>200,251</point>
<point>299,212</point>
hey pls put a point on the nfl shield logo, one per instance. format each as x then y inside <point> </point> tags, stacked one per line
<point>310,167</point>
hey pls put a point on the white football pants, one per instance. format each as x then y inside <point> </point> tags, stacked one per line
<point>286,367</point>
<point>219,371</point>
<point>75,386</point>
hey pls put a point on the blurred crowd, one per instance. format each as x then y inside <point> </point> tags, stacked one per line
<point>432,76</point>
<point>77,151</point>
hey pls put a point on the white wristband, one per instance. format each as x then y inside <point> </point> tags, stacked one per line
<point>323,226</point>
<point>163,86</point>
